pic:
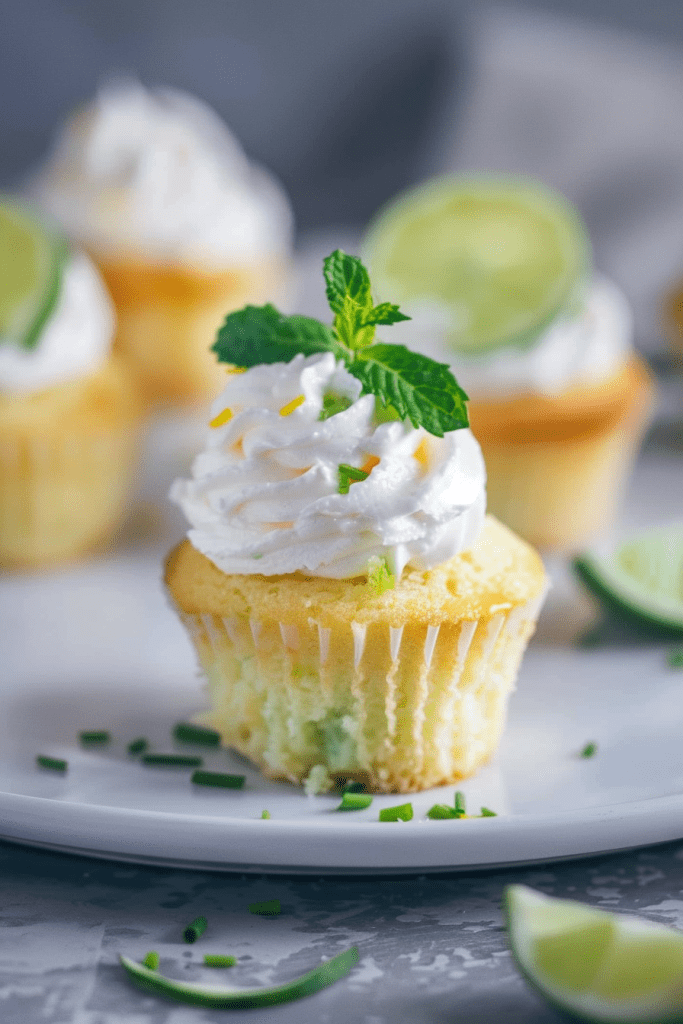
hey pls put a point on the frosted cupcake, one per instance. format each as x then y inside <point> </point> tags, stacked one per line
<point>558,398</point>
<point>68,409</point>
<point>181,225</point>
<point>354,610</point>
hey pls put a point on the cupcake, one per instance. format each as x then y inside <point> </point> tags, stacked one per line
<point>354,610</point>
<point>68,408</point>
<point>543,346</point>
<point>182,227</point>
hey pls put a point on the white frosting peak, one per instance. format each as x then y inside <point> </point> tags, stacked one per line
<point>158,172</point>
<point>264,494</point>
<point>75,341</point>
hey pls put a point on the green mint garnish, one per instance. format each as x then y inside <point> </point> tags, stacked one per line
<point>354,802</point>
<point>216,960</point>
<point>151,960</point>
<point>379,578</point>
<point>220,779</point>
<point>138,746</point>
<point>195,929</point>
<point>674,659</point>
<point>589,750</point>
<point>94,736</point>
<point>53,764</point>
<point>404,812</point>
<point>349,475</point>
<point>269,908</point>
<point>409,385</point>
<point>242,999</point>
<point>332,404</point>
<point>187,732</point>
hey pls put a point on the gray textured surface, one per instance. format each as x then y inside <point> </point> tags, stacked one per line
<point>433,949</point>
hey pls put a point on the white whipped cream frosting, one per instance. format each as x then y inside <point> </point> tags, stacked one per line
<point>157,172</point>
<point>75,341</point>
<point>264,495</point>
<point>583,348</point>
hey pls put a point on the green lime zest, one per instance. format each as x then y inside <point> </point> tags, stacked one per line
<point>354,801</point>
<point>459,804</point>
<point>138,746</point>
<point>221,780</point>
<point>218,960</point>
<point>408,385</point>
<point>151,960</point>
<point>488,813</point>
<point>265,815</point>
<point>94,736</point>
<point>332,404</point>
<point>267,908</point>
<point>441,812</point>
<point>380,579</point>
<point>403,812</point>
<point>242,999</point>
<point>171,760</point>
<point>590,750</point>
<point>188,732</point>
<point>52,764</point>
<point>349,475</point>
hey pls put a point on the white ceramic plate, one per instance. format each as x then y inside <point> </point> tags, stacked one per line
<point>96,646</point>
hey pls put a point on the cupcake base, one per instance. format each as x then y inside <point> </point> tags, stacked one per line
<point>66,463</point>
<point>405,691</point>
<point>167,319</point>
<point>556,466</point>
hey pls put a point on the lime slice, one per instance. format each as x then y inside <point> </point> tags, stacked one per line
<point>593,964</point>
<point>641,577</point>
<point>31,265</point>
<point>498,258</point>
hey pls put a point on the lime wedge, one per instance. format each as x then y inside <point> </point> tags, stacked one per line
<point>641,577</point>
<point>593,964</point>
<point>31,265</point>
<point>498,258</point>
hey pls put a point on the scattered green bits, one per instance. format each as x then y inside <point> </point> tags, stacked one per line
<point>674,659</point>
<point>187,732</point>
<point>354,801</point>
<point>216,960</point>
<point>94,736</point>
<point>195,929</point>
<point>348,475</point>
<point>171,761</point>
<point>379,578</point>
<point>352,786</point>
<point>460,807</point>
<point>487,813</point>
<point>265,815</point>
<point>138,746</point>
<point>441,812</point>
<point>269,908</point>
<point>222,780</point>
<point>403,812</point>
<point>152,960</point>
<point>590,750</point>
<point>52,764</point>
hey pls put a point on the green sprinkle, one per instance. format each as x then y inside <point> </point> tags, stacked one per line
<point>486,813</point>
<point>379,577</point>
<point>265,815</point>
<point>589,750</point>
<point>674,659</point>
<point>257,554</point>
<point>440,811</point>
<point>353,787</point>
<point>216,960</point>
<point>403,812</point>
<point>355,802</point>
<point>186,732</point>
<point>151,960</point>
<point>349,475</point>
<point>332,404</point>
<point>171,761</point>
<point>195,929</point>
<point>94,736</point>
<point>460,808</point>
<point>53,764</point>
<point>220,779</point>
<point>269,908</point>
<point>138,746</point>
<point>216,999</point>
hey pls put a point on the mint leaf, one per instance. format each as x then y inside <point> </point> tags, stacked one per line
<point>350,299</point>
<point>419,388</point>
<point>385,313</point>
<point>261,334</point>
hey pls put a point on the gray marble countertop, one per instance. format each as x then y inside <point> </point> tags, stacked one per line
<point>432,948</point>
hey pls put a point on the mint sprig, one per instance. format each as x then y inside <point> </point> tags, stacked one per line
<point>418,388</point>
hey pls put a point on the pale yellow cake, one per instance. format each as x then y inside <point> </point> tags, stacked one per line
<point>404,690</point>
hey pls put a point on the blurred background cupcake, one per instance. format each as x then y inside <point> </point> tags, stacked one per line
<point>181,225</point>
<point>496,273</point>
<point>69,410</point>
